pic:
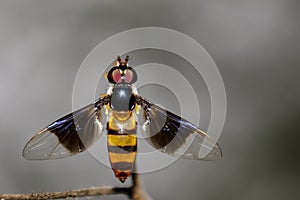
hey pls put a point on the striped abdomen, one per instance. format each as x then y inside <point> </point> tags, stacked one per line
<point>122,143</point>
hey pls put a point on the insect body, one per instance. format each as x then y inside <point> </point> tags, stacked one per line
<point>121,126</point>
<point>116,113</point>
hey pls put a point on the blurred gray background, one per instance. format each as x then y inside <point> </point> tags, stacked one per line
<point>255,45</point>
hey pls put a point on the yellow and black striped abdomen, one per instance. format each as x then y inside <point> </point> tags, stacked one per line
<point>122,144</point>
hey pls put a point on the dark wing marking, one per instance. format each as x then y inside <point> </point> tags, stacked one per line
<point>176,136</point>
<point>68,135</point>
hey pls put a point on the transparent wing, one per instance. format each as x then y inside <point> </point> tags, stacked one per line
<point>176,136</point>
<point>67,136</point>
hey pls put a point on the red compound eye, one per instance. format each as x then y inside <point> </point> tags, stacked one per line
<point>116,75</point>
<point>129,76</point>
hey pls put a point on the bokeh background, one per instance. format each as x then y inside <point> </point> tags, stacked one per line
<point>255,45</point>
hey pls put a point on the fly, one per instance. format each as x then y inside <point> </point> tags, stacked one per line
<point>115,113</point>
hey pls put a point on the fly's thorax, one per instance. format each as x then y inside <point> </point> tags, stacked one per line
<point>122,98</point>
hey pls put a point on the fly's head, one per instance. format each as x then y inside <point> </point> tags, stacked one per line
<point>122,73</point>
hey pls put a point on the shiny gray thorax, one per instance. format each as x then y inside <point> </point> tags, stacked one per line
<point>122,98</point>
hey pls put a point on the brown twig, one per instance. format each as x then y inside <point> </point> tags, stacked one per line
<point>135,192</point>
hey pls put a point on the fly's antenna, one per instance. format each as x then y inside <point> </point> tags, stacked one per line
<point>126,60</point>
<point>119,59</point>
